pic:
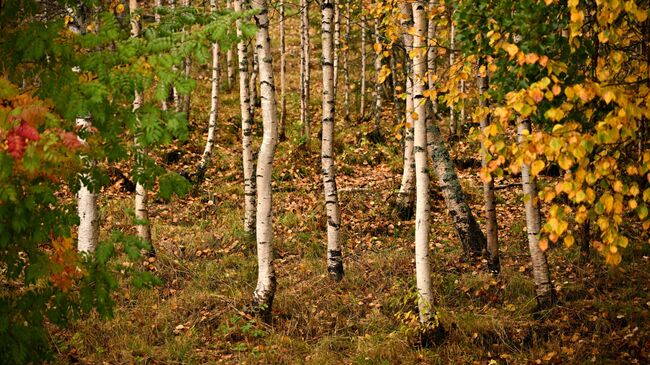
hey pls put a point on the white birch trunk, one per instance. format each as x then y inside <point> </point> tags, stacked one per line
<point>378,96</point>
<point>452,45</point>
<point>337,47</point>
<point>266,281</point>
<point>143,227</point>
<point>428,315</point>
<point>304,70</point>
<point>88,231</point>
<point>362,92</point>
<point>246,128</point>
<point>541,274</point>
<point>488,189</point>
<point>283,66</point>
<point>406,195</point>
<point>230,69</point>
<point>334,257</point>
<point>254,74</point>
<point>214,102</point>
<point>346,61</point>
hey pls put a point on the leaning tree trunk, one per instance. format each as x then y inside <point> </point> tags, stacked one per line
<point>334,258</point>
<point>214,101</point>
<point>469,232</point>
<point>88,231</point>
<point>362,92</point>
<point>143,226</point>
<point>346,60</point>
<point>246,129</point>
<point>406,194</point>
<point>266,281</point>
<point>541,274</point>
<point>283,63</point>
<point>428,315</point>
<point>304,71</point>
<point>488,187</point>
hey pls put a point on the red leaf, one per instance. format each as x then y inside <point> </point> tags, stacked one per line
<point>27,131</point>
<point>16,145</point>
<point>70,140</point>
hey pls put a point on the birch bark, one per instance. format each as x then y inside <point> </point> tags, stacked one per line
<point>304,71</point>
<point>266,281</point>
<point>406,194</point>
<point>541,273</point>
<point>214,103</point>
<point>488,189</point>
<point>248,158</point>
<point>143,226</point>
<point>334,257</point>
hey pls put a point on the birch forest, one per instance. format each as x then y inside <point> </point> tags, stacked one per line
<point>324,182</point>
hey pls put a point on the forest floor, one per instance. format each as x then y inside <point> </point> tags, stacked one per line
<point>208,265</point>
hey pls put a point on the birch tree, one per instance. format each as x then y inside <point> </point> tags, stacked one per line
<point>452,60</point>
<point>428,315</point>
<point>88,231</point>
<point>337,46</point>
<point>406,194</point>
<point>248,158</point>
<point>214,101</point>
<point>334,257</point>
<point>488,186</point>
<point>346,60</point>
<point>378,81</point>
<point>362,91</point>
<point>283,66</point>
<point>304,70</point>
<point>143,226</point>
<point>230,69</point>
<point>266,281</point>
<point>541,274</point>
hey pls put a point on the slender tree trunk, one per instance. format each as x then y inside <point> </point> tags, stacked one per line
<point>397,103</point>
<point>230,69</point>
<point>452,45</point>
<point>266,281</point>
<point>428,315</point>
<point>541,274</point>
<point>362,92</point>
<point>246,129</point>
<point>378,96</point>
<point>143,226</point>
<point>406,195</point>
<point>432,105</point>
<point>283,63</point>
<point>346,60</point>
<point>214,101</point>
<point>158,4</point>
<point>88,231</point>
<point>337,46</point>
<point>304,71</point>
<point>334,258</point>
<point>488,189</point>
<point>584,238</point>
<point>252,85</point>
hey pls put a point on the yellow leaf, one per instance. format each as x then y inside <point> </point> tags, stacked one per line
<point>531,58</point>
<point>510,48</point>
<point>565,162</point>
<point>536,167</point>
<point>377,47</point>
<point>543,244</point>
<point>569,240</point>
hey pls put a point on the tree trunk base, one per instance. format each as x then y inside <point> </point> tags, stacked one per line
<point>545,302</point>
<point>376,137</point>
<point>431,335</point>
<point>493,265</point>
<point>335,265</point>
<point>405,211</point>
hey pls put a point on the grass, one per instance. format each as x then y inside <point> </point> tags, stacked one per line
<point>208,267</point>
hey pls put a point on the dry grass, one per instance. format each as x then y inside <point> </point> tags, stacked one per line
<point>208,267</point>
